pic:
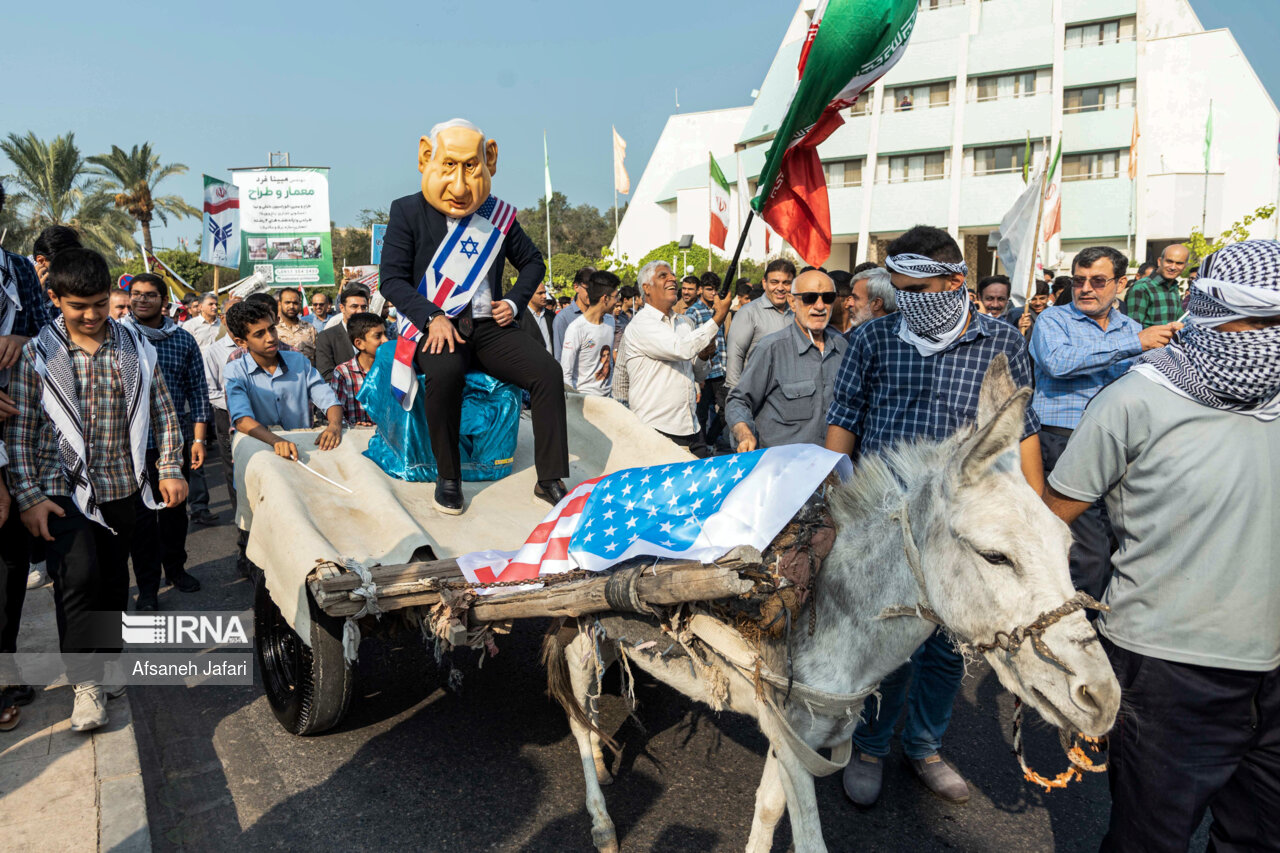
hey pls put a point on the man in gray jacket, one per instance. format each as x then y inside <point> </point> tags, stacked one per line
<point>759,317</point>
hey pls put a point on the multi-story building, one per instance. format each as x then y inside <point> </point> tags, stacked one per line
<point>941,138</point>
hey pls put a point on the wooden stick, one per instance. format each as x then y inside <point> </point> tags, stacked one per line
<point>737,253</point>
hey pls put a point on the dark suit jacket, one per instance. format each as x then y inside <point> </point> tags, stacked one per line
<point>333,347</point>
<point>530,324</point>
<point>414,230</point>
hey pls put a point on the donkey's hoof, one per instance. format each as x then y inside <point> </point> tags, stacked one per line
<point>605,839</point>
<point>603,776</point>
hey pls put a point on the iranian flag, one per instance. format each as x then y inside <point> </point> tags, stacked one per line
<point>719,188</point>
<point>850,44</point>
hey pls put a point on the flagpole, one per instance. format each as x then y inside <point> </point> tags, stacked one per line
<point>1035,247</point>
<point>616,244</point>
<point>737,253</point>
<point>546,160</point>
<point>1208,141</point>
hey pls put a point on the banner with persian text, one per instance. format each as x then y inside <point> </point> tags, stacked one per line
<point>284,224</point>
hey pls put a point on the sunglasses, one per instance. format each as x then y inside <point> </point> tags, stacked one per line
<point>827,297</point>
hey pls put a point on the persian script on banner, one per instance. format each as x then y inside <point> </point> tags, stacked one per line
<point>221,243</point>
<point>697,510</point>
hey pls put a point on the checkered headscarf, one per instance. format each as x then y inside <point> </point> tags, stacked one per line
<point>1234,371</point>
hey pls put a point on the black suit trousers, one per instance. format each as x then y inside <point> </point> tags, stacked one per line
<point>508,354</point>
<point>160,535</point>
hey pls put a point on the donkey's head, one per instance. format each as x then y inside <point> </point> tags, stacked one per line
<point>995,558</point>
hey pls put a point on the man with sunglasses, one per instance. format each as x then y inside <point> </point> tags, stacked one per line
<point>783,394</point>
<point>321,308</point>
<point>1078,349</point>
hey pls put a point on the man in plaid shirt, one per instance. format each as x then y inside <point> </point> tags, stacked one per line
<point>161,538</point>
<point>711,403</point>
<point>367,333</point>
<point>910,375</point>
<point>1157,299</point>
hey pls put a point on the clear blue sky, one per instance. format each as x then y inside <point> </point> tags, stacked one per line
<point>352,86</point>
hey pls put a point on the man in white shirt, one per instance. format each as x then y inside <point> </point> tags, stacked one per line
<point>660,347</point>
<point>204,327</point>
<point>586,358</point>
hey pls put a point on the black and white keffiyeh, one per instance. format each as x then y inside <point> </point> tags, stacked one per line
<point>136,362</point>
<point>922,266</point>
<point>10,305</point>
<point>931,322</point>
<point>1233,371</point>
<point>167,328</point>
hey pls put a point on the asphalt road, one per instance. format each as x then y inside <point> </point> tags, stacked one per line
<point>415,766</point>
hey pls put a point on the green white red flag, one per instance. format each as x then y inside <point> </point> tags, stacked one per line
<point>719,206</point>
<point>850,44</point>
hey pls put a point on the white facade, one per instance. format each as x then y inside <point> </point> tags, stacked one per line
<point>939,140</point>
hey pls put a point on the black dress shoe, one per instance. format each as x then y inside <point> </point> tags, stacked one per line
<point>186,582</point>
<point>551,491</point>
<point>449,496</point>
<point>18,694</point>
<point>146,602</point>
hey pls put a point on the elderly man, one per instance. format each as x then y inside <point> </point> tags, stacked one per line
<point>909,376</point>
<point>758,318</point>
<point>872,295</point>
<point>659,347</point>
<point>574,309</point>
<point>783,395</point>
<point>205,326</point>
<point>442,262</point>
<point>119,304</point>
<point>1185,449</point>
<point>321,308</point>
<point>1157,299</point>
<point>1078,349</point>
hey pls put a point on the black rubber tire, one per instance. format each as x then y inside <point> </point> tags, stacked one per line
<point>309,689</point>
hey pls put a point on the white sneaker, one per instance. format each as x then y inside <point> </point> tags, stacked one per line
<point>90,710</point>
<point>37,577</point>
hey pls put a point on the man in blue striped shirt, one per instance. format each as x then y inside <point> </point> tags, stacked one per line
<point>1078,349</point>
<point>910,375</point>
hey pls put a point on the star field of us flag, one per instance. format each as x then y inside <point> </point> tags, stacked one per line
<point>697,510</point>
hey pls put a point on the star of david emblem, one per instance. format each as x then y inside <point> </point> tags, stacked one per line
<point>469,247</point>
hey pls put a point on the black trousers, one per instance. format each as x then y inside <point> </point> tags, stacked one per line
<point>14,557</point>
<point>697,446</point>
<point>1190,738</point>
<point>222,432</point>
<point>511,355</point>
<point>90,569</point>
<point>160,535</point>
<point>711,408</point>
<point>1093,540</point>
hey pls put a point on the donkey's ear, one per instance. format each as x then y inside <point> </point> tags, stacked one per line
<point>993,438</point>
<point>997,388</point>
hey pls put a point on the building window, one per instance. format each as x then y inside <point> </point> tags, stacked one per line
<point>1090,99</point>
<point>1102,32</point>
<point>863,105</point>
<point>999,87</point>
<point>907,168</point>
<point>926,5</point>
<point>919,97</point>
<point>1095,166</point>
<point>1001,159</point>
<point>843,173</point>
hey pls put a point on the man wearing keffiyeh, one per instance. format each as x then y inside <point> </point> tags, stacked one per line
<point>910,375</point>
<point>1185,448</point>
<point>89,393</point>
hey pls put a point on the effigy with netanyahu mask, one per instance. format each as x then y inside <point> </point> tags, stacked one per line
<point>442,262</point>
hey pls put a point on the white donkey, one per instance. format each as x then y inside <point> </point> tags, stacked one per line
<point>913,527</point>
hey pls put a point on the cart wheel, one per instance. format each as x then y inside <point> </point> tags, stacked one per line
<point>309,688</point>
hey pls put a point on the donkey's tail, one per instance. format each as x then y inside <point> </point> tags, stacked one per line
<point>560,685</point>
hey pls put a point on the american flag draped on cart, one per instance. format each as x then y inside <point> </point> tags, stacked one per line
<point>690,510</point>
<point>461,263</point>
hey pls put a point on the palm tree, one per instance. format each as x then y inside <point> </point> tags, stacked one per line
<point>54,187</point>
<point>133,176</point>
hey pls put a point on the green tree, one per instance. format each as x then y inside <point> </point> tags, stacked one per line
<point>581,230</point>
<point>186,264</point>
<point>1201,246</point>
<point>56,187</point>
<point>696,257</point>
<point>132,177</point>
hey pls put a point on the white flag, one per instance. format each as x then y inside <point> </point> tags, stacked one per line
<point>621,181</point>
<point>1015,239</point>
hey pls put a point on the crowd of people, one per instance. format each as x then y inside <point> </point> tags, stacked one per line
<point>1151,432</point>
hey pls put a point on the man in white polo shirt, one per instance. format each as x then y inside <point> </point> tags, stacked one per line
<point>1185,448</point>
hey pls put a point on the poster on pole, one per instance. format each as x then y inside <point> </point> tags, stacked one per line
<point>284,224</point>
<point>221,243</point>
<point>375,251</point>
